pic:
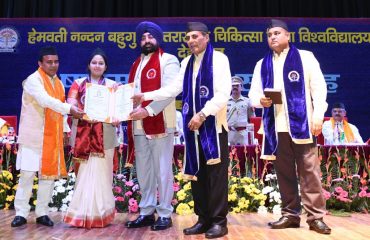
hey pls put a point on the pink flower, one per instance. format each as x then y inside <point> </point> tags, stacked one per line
<point>327,194</point>
<point>339,189</point>
<point>362,194</point>
<point>176,187</point>
<point>129,183</point>
<point>132,201</point>
<point>120,199</point>
<point>363,188</point>
<point>133,207</point>
<point>128,193</point>
<point>344,194</point>
<point>117,189</point>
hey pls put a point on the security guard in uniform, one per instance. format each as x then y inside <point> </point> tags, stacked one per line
<point>239,110</point>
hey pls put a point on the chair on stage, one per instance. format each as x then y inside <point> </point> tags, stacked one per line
<point>257,123</point>
<point>12,121</point>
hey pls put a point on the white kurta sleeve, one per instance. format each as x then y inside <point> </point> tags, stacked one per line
<point>33,87</point>
<point>256,90</point>
<point>356,133</point>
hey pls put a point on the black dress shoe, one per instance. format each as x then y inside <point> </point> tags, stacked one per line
<point>285,222</point>
<point>216,231</point>
<point>45,220</point>
<point>319,226</point>
<point>141,221</point>
<point>198,228</point>
<point>162,223</point>
<point>18,221</point>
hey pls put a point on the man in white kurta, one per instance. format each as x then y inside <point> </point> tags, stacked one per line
<point>338,131</point>
<point>294,148</point>
<point>35,100</point>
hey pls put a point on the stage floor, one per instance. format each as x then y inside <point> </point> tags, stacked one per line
<point>241,226</point>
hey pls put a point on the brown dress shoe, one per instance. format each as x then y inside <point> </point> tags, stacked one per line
<point>319,226</point>
<point>285,222</point>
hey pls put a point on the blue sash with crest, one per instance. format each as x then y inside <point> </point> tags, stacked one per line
<point>295,102</point>
<point>207,131</point>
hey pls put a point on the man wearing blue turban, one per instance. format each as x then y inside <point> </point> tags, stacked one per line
<point>151,133</point>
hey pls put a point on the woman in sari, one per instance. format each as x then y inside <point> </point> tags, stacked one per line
<point>93,203</point>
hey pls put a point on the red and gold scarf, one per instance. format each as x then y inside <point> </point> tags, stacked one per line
<point>150,81</point>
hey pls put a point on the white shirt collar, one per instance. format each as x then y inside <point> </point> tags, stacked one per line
<point>283,53</point>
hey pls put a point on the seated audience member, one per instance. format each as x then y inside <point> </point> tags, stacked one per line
<point>337,130</point>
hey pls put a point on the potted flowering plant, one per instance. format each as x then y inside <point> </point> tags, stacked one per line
<point>183,199</point>
<point>245,194</point>
<point>62,193</point>
<point>9,204</point>
<point>345,187</point>
<point>271,190</point>
<point>6,183</point>
<point>126,191</point>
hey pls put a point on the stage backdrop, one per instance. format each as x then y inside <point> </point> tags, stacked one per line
<point>342,47</point>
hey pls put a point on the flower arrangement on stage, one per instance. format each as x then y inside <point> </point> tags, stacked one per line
<point>62,193</point>
<point>126,191</point>
<point>345,187</point>
<point>271,190</point>
<point>344,177</point>
<point>6,184</point>
<point>183,199</point>
<point>245,194</point>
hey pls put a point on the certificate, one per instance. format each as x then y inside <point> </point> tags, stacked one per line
<point>104,104</point>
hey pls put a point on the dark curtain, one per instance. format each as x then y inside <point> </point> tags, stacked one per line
<point>185,8</point>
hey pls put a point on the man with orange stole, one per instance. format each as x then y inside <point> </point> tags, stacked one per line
<point>41,137</point>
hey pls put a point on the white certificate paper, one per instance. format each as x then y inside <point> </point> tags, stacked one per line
<point>104,104</point>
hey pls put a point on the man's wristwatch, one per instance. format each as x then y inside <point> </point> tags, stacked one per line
<point>202,116</point>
